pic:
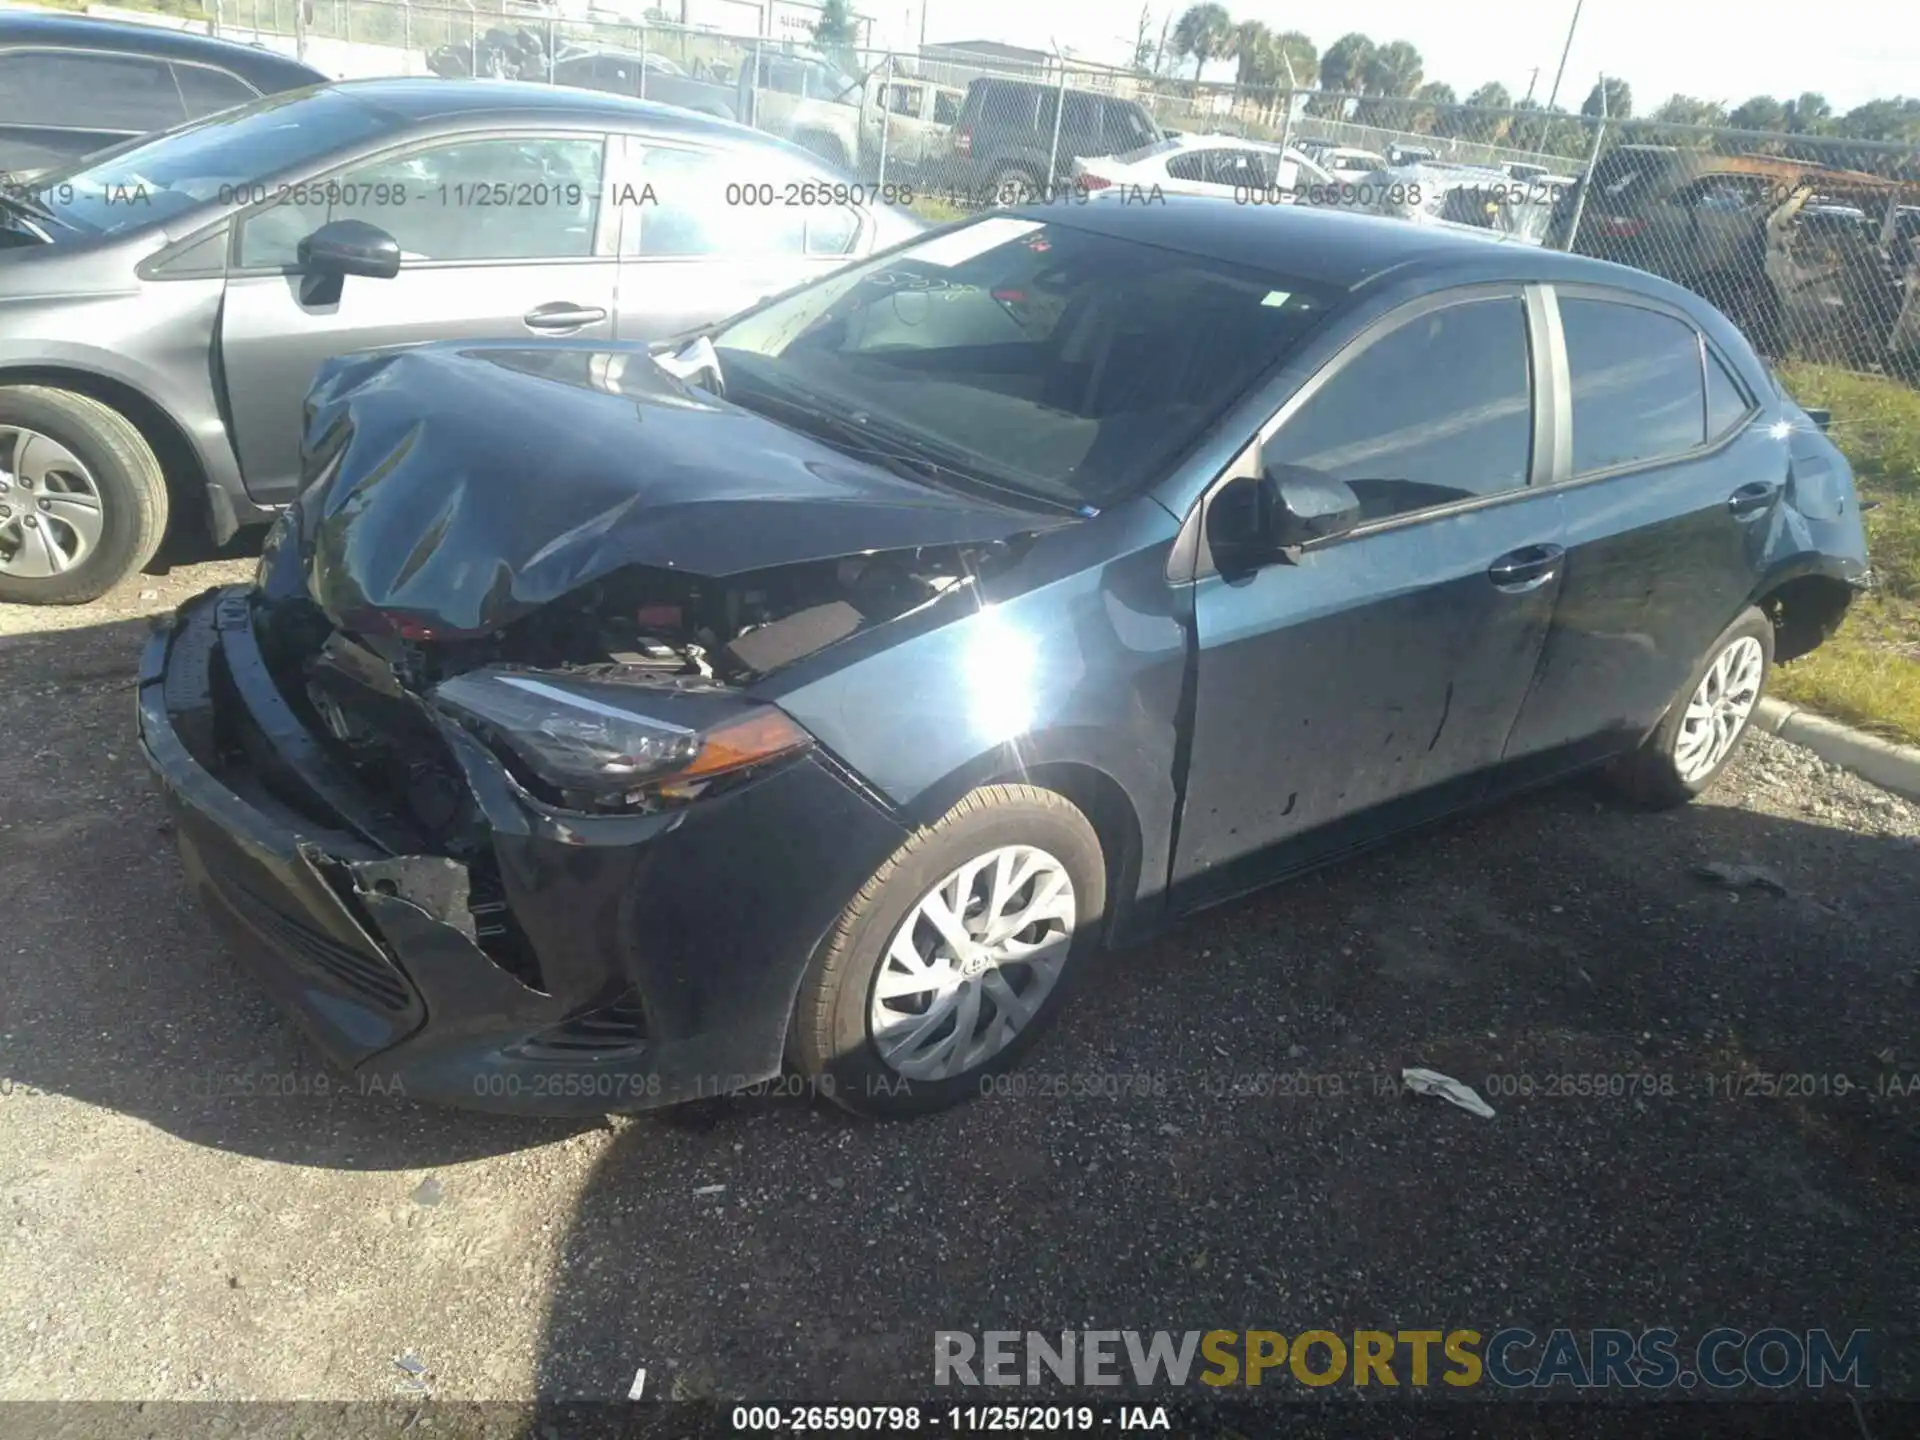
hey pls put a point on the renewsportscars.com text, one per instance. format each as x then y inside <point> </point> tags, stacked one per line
<point>1772,1358</point>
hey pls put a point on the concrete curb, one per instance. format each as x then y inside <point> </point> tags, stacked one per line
<point>1892,767</point>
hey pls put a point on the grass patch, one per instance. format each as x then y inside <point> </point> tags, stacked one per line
<point>1869,673</point>
<point>931,207</point>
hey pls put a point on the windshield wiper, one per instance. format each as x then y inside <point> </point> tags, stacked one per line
<point>900,452</point>
<point>16,195</point>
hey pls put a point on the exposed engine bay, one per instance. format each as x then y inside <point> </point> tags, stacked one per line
<point>642,623</point>
<point>372,694</point>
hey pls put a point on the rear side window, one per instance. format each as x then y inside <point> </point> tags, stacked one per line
<point>88,90</point>
<point>1727,402</point>
<point>1437,411</point>
<point>1637,387</point>
<point>206,91</point>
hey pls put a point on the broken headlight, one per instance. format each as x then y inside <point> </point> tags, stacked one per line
<point>591,743</point>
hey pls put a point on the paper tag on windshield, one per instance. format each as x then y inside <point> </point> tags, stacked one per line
<point>976,239</point>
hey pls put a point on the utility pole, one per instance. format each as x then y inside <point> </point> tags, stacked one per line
<point>1565,51</point>
<point>1531,82</point>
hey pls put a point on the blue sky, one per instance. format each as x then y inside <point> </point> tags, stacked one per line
<point>1715,49</point>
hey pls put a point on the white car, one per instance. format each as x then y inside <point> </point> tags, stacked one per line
<point>1345,160</point>
<point>1248,170</point>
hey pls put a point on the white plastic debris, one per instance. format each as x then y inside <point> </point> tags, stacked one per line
<point>709,1190</point>
<point>639,1386</point>
<point>1432,1082</point>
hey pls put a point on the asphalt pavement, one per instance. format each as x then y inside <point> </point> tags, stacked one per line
<point>193,1207</point>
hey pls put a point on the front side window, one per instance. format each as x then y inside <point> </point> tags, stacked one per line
<point>1637,388</point>
<point>503,198</point>
<point>1032,357</point>
<point>1438,410</point>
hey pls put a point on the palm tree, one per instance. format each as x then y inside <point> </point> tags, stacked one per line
<point>1253,48</point>
<point>1343,68</point>
<point>1392,71</point>
<point>1477,125</point>
<point>1301,63</point>
<point>1807,115</point>
<point>1437,102</point>
<point>1205,32</point>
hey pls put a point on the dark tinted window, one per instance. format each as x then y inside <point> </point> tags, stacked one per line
<point>207,91</point>
<point>1727,402</point>
<point>1636,384</point>
<point>946,107</point>
<point>1042,358</point>
<point>150,181</point>
<point>1438,410</point>
<point>1126,127</point>
<point>83,90</point>
<point>1191,166</point>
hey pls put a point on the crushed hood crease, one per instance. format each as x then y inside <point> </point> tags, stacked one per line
<point>466,486</point>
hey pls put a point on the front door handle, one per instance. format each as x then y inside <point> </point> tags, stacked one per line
<point>1750,500</point>
<point>562,316</point>
<point>1527,568</point>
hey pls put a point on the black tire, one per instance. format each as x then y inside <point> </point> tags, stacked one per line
<point>133,491</point>
<point>1015,185</point>
<point>1652,776</point>
<point>831,1042</point>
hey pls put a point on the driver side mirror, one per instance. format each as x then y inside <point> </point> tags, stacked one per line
<point>1259,519</point>
<point>350,247</point>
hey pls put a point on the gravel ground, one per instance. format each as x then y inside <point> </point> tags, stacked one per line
<point>1202,1143</point>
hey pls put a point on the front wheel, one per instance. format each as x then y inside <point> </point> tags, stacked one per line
<point>83,503</point>
<point>954,957</point>
<point>1689,749</point>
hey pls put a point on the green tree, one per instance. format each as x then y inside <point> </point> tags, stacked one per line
<point>1299,52</point>
<point>1689,110</point>
<point>1437,105</point>
<point>1807,114</point>
<point>1473,122</point>
<point>1344,67</point>
<point>1896,120</point>
<point>1143,42</point>
<point>1254,51</point>
<point>837,34</point>
<point>1393,69</point>
<point>1760,112</point>
<point>1205,32</point>
<point>1619,99</point>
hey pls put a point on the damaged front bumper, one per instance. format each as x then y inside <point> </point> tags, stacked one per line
<point>588,964</point>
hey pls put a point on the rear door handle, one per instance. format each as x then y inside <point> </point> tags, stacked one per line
<point>562,316</point>
<point>1750,500</point>
<point>1527,568</point>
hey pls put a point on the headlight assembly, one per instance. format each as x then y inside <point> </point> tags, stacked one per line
<point>595,744</point>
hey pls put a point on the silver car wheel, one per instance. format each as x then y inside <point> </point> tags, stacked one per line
<point>1719,709</point>
<point>972,963</point>
<point>50,508</point>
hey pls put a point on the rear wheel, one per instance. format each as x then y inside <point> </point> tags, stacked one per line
<point>1015,185</point>
<point>1688,750</point>
<point>83,502</point>
<point>954,957</point>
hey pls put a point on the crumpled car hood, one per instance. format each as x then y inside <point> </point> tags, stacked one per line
<point>461,486</point>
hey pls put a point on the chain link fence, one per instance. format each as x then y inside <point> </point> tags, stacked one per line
<point>1810,243</point>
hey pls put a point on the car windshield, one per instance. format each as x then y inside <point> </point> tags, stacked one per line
<point>211,161</point>
<point>1064,365</point>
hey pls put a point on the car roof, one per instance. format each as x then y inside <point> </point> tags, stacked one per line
<point>261,66</point>
<point>424,100</point>
<point>1339,248</point>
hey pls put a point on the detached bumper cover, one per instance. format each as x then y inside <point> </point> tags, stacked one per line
<point>668,947</point>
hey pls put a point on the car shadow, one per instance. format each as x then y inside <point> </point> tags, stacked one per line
<point>1216,1137</point>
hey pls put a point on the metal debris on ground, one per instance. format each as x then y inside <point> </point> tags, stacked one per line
<point>427,1192</point>
<point>1741,876</point>
<point>1432,1082</point>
